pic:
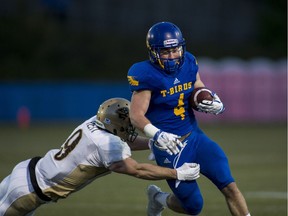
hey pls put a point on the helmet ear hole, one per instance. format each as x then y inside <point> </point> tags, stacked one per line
<point>122,129</point>
<point>114,131</point>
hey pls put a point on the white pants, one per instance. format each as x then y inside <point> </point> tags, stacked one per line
<point>17,196</point>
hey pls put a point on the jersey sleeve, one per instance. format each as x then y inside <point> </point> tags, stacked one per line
<point>115,150</point>
<point>190,58</point>
<point>138,77</point>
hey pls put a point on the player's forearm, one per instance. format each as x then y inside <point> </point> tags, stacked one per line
<point>138,120</point>
<point>142,170</point>
<point>139,105</point>
<point>141,143</point>
<point>198,82</point>
<point>152,172</point>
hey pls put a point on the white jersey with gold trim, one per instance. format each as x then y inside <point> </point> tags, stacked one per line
<point>85,155</point>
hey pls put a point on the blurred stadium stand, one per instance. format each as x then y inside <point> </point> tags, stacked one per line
<point>96,39</point>
<point>60,58</point>
<point>252,91</point>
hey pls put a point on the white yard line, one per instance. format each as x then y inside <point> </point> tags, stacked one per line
<point>266,194</point>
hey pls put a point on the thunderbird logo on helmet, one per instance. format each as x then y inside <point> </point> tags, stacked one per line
<point>123,113</point>
<point>170,42</point>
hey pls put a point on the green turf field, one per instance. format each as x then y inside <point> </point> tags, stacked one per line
<point>257,155</point>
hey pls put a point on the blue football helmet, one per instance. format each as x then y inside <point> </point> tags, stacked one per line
<point>165,35</point>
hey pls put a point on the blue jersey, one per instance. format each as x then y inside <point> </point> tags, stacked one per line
<point>169,111</point>
<point>169,108</point>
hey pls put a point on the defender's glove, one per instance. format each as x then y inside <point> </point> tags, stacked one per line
<point>168,142</point>
<point>188,172</point>
<point>215,106</point>
<point>151,156</point>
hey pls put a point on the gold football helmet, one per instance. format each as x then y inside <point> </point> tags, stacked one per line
<point>113,116</point>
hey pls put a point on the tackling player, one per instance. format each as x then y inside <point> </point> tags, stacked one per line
<point>94,149</point>
<point>161,88</point>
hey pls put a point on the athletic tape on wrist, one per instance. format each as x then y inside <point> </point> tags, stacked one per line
<point>150,130</point>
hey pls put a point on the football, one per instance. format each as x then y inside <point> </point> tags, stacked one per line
<point>198,95</point>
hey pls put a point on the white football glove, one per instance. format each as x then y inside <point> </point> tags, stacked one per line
<point>188,172</point>
<point>168,142</point>
<point>151,156</point>
<point>215,106</point>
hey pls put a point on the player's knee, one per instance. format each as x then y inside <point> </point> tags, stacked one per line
<point>194,207</point>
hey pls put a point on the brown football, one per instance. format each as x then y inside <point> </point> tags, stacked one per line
<point>198,95</point>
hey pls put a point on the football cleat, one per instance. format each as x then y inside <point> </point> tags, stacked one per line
<point>154,208</point>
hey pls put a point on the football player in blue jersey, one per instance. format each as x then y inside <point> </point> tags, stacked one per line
<point>161,88</point>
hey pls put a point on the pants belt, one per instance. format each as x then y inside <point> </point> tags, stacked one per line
<point>35,185</point>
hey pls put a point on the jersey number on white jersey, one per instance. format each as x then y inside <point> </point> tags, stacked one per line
<point>69,145</point>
